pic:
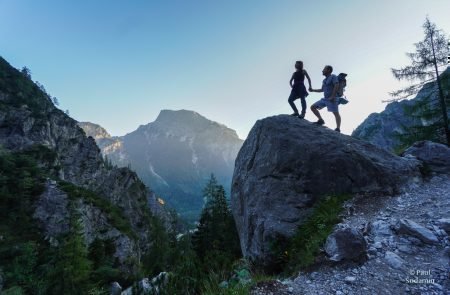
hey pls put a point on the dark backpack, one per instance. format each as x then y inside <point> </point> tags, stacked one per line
<point>342,84</point>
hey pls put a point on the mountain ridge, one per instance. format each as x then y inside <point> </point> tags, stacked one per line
<point>175,155</point>
<point>79,178</point>
<point>385,128</point>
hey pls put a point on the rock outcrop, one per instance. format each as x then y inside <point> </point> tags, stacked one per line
<point>435,156</point>
<point>53,214</point>
<point>94,130</point>
<point>286,165</point>
<point>384,129</point>
<point>111,146</point>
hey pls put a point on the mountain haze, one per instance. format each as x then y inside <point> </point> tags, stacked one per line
<point>175,155</point>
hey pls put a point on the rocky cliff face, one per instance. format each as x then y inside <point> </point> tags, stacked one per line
<point>286,165</point>
<point>29,119</point>
<point>175,155</point>
<point>111,146</point>
<point>93,130</point>
<point>383,129</point>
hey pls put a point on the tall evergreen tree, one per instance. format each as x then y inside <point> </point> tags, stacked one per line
<point>216,241</point>
<point>430,55</point>
<point>210,190</point>
<point>72,267</point>
<point>158,258</point>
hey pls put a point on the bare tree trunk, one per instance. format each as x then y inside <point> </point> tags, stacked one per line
<point>441,95</point>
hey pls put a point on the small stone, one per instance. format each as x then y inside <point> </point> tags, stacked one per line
<point>447,251</point>
<point>350,279</point>
<point>394,260</point>
<point>339,293</point>
<point>115,288</point>
<point>428,215</point>
<point>415,241</point>
<point>444,223</point>
<point>438,286</point>
<point>406,249</point>
<point>378,245</point>
<point>372,252</point>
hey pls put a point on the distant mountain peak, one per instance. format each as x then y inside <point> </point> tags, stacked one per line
<point>187,120</point>
<point>180,116</point>
<point>176,154</point>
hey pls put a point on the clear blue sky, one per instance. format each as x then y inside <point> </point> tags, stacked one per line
<point>118,63</point>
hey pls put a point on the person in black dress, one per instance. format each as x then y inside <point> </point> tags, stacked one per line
<point>298,88</point>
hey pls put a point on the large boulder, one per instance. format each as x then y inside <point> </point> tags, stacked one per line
<point>345,244</point>
<point>286,165</point>
<point>435,156</point>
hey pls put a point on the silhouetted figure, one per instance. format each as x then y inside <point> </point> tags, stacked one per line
<point>298,88</point>
<point>330,87</point>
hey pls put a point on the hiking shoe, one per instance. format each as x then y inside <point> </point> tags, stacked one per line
<point>301,116</point>
<point>338,130</point>
<point>320,122</point>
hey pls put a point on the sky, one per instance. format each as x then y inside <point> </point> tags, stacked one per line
<point>118,63</point>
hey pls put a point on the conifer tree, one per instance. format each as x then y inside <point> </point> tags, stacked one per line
<point>158,258</point>
<point>430,55</point>
<point>72,267</point>
<point>26,72</point>
<point>215,241</point>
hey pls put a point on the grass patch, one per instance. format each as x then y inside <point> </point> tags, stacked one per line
<point>303,248</point>
<point>113,213</point>
<point>240,283</point>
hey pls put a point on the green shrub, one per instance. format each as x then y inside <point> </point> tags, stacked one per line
<point>304,246</point>
<point>15,290</point>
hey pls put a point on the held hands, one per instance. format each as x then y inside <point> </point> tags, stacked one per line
<point>310,89</point>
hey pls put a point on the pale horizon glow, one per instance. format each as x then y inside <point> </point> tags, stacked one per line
<point>118,64</point>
